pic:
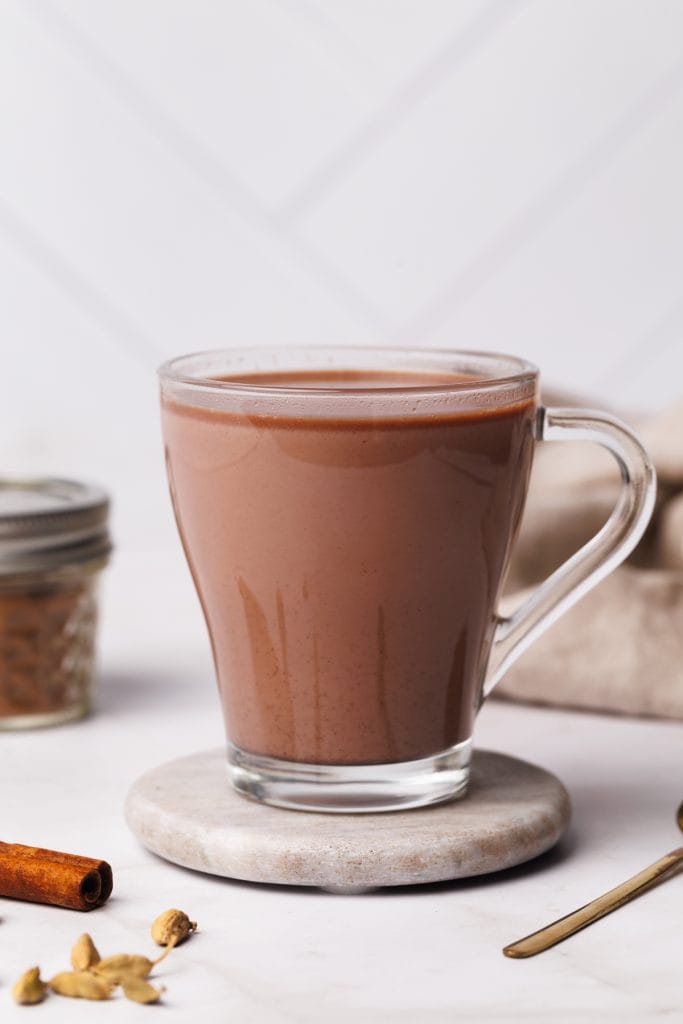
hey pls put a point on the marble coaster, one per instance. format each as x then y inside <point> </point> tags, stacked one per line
<point>187,812</point>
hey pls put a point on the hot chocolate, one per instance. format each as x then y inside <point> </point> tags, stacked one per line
<point>349,568</point>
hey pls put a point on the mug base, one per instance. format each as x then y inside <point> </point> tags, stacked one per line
<point>351,789</point>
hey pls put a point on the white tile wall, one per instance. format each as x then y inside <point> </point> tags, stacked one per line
<point>177,175</point>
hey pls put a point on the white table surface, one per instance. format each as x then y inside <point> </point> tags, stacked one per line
<point>269,955</point>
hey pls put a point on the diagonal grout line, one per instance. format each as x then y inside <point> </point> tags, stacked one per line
<point>202,162</point>
<point>519,231</point>
<point>408,96</point>
<point>652,344</point>
<point>80,290</point>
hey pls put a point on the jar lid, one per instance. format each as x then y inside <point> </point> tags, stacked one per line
<point>50,524</point>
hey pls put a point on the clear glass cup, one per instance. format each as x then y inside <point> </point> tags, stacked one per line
<point>348,516</point>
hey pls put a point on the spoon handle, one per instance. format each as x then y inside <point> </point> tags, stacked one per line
<point>559,930</point>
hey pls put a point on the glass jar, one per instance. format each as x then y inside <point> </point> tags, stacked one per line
<point>54,540</point>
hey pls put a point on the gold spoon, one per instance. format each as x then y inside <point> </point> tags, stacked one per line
<point>662,869</point>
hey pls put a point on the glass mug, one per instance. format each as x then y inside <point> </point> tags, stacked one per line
<point>348,516</point>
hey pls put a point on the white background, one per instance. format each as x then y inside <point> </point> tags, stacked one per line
<point>180,175</point>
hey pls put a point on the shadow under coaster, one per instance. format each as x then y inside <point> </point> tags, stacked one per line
<point>187,812</point>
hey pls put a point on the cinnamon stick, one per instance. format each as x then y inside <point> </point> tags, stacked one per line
<point>47,876</point>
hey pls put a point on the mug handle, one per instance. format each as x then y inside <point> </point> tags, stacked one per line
<point>596,559</point>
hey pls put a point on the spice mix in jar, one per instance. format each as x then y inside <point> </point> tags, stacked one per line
<point>54,540</point>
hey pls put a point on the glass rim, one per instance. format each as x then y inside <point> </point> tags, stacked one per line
<point>519,371</point>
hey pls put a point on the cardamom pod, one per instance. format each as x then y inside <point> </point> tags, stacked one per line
<point>84,954</point>
<point>172,927</point>
<point>121,965</point>
<point>29,989</point>
<point>81,985</point>
<point>139,990</point>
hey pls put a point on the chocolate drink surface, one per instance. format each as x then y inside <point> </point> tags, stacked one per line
<point>349,568</point>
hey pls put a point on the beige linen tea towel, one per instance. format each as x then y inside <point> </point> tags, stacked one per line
<point>620,648</point>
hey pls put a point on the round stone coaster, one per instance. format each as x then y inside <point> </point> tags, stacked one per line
<point>187,812</point>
